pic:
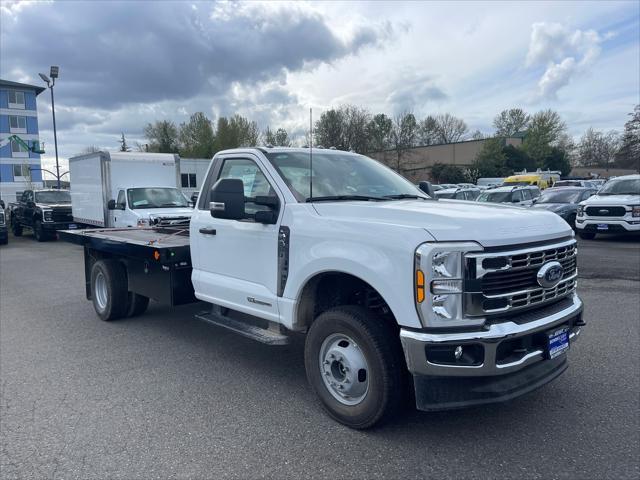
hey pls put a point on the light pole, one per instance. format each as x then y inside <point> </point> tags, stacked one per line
<point>53,73</point>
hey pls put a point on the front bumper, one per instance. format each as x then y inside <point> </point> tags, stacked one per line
<point>54,226</point>
<point>630,225</point>
<point>509,358</point>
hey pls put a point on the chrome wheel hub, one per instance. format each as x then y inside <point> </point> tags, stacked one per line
<point>100,291</point>
<point>344,369</point>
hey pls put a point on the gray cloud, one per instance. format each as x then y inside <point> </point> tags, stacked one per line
<point>114,53</point>
<point>415,92</point>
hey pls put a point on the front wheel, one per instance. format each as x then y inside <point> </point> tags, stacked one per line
<point>38,232</point>
<point>355,365</point>
<point>587,235</point>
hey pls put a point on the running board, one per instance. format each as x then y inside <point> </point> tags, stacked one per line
<point>267,336</point>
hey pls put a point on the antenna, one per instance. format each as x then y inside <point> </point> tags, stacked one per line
<point>310,153</point>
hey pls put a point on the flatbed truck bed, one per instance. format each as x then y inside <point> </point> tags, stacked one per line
<point>157,261</point>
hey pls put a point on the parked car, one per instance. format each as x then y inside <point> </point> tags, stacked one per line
<point>574,183</point>
<point>445,186</point>
<point>43,211</point>
<point>516,195</point>
<point>614,209</point>
<point>563,201</point>
<point>398,295</point>
<point>4,234</point>
<point>458,193</point>
<point>487,182</point>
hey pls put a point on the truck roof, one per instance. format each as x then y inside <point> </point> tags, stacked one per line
<point>286,150</point>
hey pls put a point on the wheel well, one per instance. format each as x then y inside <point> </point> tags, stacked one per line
<point>331,289</point>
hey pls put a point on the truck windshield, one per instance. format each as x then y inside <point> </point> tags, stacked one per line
<point>494,197</point>
<point>153,197</point>
<point>340,175</point>
<point>621,187</point>
<point>57,196</point>
<point>562,196</point>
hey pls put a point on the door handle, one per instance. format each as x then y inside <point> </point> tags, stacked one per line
<point>207,231</point>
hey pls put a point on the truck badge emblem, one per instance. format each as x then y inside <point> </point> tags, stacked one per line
<point>550,274</point>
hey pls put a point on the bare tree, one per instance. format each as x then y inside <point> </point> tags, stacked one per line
<point>598,149</point>
<point>478,135</point>
<point>510,122</point>
<point>428,131</point>
<point>403,134</point>
<point>354,127</point>
<point>629,154</point>
<point>449,128</point>
<point>378,131</point>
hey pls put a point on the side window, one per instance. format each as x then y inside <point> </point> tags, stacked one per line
<point>517,196</point>
<point>526,194</point>
<point>459,195</point>
<point>255,183</point>
<point>122,199</point>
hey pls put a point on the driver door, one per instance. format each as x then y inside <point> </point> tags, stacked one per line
<point>235,261</point>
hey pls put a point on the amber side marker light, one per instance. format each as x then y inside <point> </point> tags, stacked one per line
<point>156,255</point>
<point>419,286</point>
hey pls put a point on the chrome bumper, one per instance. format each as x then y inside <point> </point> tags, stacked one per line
<point>415,344</point>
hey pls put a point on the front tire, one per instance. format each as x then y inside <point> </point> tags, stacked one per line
<point>109,289</point>
<point>587,235</point>
<point>355,365</point>
<point>38,232</point>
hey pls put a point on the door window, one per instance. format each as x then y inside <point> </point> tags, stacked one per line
<point>526,194</point>
<point>254,181</point>
<point>517,196</point>
<point>122,199</point>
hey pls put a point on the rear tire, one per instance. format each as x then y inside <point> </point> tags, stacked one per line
<point>355,365</point>
<point>587,235</point>
<point>16,228</point>
<point>109,289</point>
<point>136,305</point>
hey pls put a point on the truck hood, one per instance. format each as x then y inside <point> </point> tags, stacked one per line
<point>451,220</point>
<point>612,200</point>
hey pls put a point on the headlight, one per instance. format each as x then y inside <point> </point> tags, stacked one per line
<point>143,222</point>
<point>47,215</point>
<point>439,274</point>
<point>635,211</point>
<point>580,210</point>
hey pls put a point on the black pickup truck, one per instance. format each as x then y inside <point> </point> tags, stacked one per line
<point>43,211</point>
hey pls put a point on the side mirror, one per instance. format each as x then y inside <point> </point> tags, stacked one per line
<point>427,188</point>
<point>535,200</point>
<point>268,217</point>
<point>111,204</point>
<point>227,199</point>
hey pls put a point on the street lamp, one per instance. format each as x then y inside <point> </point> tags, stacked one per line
<point>53,73</point>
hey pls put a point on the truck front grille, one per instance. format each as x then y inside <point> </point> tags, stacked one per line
<point>62,215</point>
<point>606,211</point>
<point>499,282</point>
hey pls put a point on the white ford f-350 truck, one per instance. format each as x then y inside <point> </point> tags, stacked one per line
<point>399,295</point>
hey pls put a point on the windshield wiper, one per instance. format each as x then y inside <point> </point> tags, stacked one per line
<point>401,196</point>
<point>330,198</point>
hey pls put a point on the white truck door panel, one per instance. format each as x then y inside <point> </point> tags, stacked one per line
<point>237,266</point>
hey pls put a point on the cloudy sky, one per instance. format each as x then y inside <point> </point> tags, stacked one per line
<point>124,64</point>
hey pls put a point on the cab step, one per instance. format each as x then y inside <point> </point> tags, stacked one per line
<point>268,336</point>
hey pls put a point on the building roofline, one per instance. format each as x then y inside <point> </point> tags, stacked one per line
<point>9,83</point>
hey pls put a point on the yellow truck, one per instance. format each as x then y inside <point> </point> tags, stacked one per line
<point>528,179</point>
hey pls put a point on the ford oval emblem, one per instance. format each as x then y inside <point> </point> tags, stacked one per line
<point>550,274</point>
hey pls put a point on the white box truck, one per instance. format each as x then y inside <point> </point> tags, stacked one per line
<point>125,189</point>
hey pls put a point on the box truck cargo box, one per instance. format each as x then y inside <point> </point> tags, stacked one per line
<point>125,189</point>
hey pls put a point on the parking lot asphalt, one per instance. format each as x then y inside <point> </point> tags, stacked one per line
<point>166,396</point>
